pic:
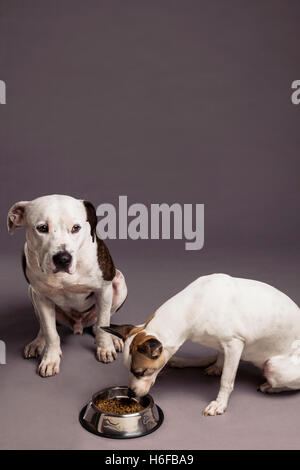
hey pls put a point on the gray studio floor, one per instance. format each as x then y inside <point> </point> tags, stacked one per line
<point>38,413</point>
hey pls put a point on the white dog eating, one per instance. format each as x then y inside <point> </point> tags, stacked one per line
<point>72,278</point>
<point>240,318</point>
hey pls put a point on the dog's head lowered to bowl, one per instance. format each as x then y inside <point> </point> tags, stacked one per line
<point>56,228</point>
<point>144,355</point>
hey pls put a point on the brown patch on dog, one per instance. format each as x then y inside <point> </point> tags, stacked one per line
<point>121,331</point>
<point>91,217</point>
<point>149,320</point>
<point>137,329</point>
<point>138,340</point>
<point>105,261</point>
<point>151,347</point>
<point>146,351</point>
<point>141,352</point>
<point>124,331</point>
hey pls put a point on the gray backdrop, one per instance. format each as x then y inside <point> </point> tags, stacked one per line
<point>163,101</point>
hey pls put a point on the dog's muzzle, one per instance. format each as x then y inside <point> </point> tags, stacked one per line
<point>62,261</point>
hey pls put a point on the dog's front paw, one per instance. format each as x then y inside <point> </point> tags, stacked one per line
<point>215,408</point>
<point>118,344</point>
<point>106,351</point>
<point>214,369</point>
<point>35,348</point>
<point>106,355</point>
<point>50,363</point>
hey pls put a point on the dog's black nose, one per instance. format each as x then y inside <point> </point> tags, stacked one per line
<point>62,259</point>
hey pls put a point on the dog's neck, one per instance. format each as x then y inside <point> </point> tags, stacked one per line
<point>170,328</point>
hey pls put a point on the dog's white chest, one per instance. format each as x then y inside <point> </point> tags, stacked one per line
<point>72,301</point>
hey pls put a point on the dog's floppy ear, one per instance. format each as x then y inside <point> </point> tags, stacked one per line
<point>151,348</point>
<point>16,216</point>
<point>91,217</point>
<point>121,331</point>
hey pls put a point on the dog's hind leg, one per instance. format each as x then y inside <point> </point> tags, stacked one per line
<point>282,372</point>
<point>182,362</point>
<point>217,367</point>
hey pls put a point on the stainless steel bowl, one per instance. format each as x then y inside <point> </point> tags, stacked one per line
<point>118,426</point>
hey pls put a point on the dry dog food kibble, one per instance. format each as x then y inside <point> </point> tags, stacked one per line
<point>119,406</point>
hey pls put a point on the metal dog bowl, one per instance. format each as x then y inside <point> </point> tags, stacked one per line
<point>118,426</point>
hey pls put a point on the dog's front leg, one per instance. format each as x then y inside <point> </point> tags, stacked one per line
<point>37,346</point>
<point>106,351</point>
<point>232,352</point>
<point>45,309</point>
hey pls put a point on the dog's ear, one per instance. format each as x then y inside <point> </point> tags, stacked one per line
<point>91,217</point>
<point>121,331</point>
<point>151,348</point>
<point>16,216</point>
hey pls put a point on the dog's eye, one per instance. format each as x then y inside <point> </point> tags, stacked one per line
<point>138,372</point>
<point>43,228</point>
<point>75,228</point>
<point>149,371</point>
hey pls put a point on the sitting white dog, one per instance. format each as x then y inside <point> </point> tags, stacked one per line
<point>240,318</point>
<point>72,277</point>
